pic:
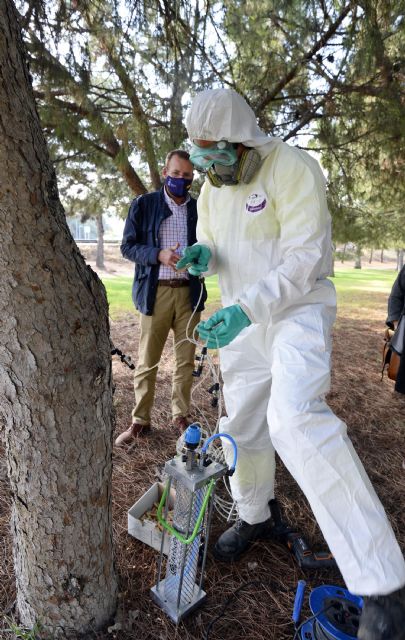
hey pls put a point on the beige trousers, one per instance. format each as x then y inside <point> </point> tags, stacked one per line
<point>172,310</point>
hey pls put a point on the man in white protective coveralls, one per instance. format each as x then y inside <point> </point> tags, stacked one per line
<point>264,228</point>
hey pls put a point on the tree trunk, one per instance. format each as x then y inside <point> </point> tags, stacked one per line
<point>382,255</point>
<point>100,242</point>
<point>55,378</point>
<point>370,260</point>
<point>332,270</point>
<point>400,259</point>
<point>344,254</point>
<point>357,264</point>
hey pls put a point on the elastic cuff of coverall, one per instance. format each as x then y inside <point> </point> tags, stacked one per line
<point>253,513</point>
<point>247,311</point>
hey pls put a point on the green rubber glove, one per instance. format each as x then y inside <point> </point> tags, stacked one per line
<point>195,259</point>
<point>223,326</point>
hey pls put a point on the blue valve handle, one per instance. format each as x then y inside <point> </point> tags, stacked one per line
<point>299,599</point>
<point>192,435</point>
<point>228,437</point>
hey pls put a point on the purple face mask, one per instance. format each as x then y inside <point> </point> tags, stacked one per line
<point>178,186</point>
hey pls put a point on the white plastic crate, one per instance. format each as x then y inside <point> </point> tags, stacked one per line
<point>147,530</point>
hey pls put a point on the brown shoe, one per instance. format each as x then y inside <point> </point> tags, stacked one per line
<point>180,424</point>
<point>136,429</point>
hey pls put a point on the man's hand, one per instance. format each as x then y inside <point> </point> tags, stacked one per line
<point>223,326</point>
<point>169,256</point>
<point>195,259</point>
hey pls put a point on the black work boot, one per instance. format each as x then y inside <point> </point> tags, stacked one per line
<point>383,617</point>
<point>236,540</point>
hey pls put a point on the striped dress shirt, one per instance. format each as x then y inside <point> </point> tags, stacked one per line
<point>172,230</point>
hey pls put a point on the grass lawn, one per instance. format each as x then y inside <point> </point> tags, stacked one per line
<point>119,294</point>
<point>349,279</point>
<point>361,290</point>
<point>355,288</point>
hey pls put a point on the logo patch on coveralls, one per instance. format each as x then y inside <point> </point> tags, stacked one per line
<point>255,203</point>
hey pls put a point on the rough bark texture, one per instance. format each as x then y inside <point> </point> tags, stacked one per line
<point>401,253</point>
<point>100,242</point>
<point>55,378</point>
<point>357,263</point>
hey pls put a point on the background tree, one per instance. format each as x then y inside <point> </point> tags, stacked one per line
<point>93,194</point>
<point>362,140</point>
<point>113,79</point>
<point>55,372</point>
<point>110,84</point>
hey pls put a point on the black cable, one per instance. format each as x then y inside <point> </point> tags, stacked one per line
<point>257,583</point>
<point>314,617</point>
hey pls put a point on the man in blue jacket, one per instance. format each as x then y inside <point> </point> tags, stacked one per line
<point>159,226</point>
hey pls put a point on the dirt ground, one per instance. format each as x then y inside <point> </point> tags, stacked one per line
<point>267,575</point>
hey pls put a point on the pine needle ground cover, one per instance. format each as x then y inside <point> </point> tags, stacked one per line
<point>262,608</point>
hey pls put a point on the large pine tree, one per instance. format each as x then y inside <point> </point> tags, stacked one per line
<point>55,378</point>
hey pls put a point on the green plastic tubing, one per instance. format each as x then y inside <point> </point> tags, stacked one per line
<point>171,529</point>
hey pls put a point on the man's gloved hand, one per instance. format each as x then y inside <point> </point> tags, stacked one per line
<point>195,258</point>
<point>223,326</point>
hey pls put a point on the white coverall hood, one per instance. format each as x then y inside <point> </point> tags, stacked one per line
<point>222,114</point>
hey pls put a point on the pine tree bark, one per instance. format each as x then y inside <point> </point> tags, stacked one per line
<point>357,264</point>
<point>100,242</point>
<point>400,259</point>
<point>55,378</point>
<point>332,271</point>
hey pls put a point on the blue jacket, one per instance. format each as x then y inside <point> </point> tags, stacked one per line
<point>396,301</point>
<point>140,244</point>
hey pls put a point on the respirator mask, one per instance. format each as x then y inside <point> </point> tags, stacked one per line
<point>221,164</point>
